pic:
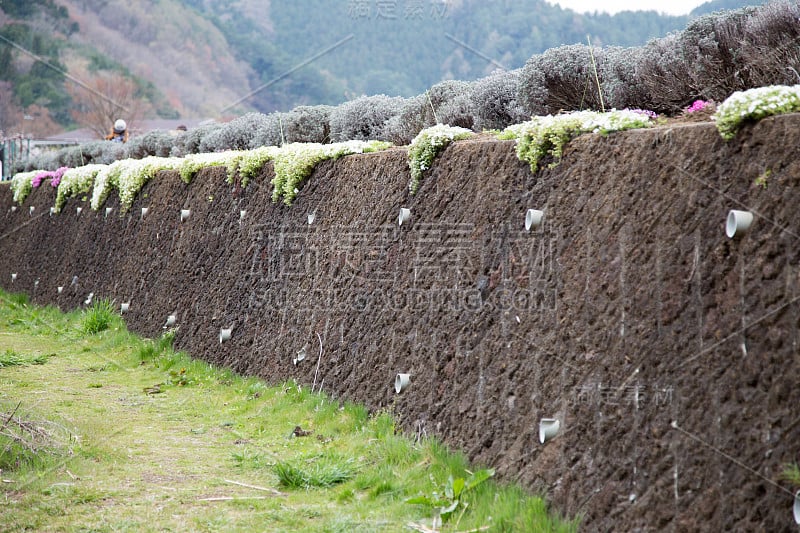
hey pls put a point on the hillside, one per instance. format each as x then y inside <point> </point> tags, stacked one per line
<point>174,47</point>
<point>196,57</point>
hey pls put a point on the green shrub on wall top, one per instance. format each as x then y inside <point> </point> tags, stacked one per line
<point>755,104</point>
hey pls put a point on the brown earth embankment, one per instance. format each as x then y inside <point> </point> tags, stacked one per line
<point>660,344</point>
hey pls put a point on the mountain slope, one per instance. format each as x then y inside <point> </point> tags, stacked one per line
<point>172,45</point>
<point>197,57</point>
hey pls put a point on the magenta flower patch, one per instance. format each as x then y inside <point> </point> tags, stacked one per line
<point>53,175</point>
<point>698,105</point>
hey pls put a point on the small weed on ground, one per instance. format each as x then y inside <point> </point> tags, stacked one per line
<point>99,317</point>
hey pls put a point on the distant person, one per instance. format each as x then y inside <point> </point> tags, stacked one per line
<point>178,130</point>
<point>120,132</point>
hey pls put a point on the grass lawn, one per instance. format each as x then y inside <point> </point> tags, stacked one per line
<point>103,431</point>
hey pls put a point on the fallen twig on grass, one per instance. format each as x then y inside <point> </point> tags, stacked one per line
<point>256,487</point>
<point>231,498</point>
<point>425,529</point>
<point>10,416</point>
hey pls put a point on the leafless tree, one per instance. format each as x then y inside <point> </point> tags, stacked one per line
<point>109,96</point>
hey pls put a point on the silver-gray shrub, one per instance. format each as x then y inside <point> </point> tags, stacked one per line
<point>270,132</point>
<point>47,160</point>
<point>447,102</point>
<point>771,47</point>
<point>562,79</point>
<point>453,103</point>
<point>238,134</point>
<point>107,152</point>
<point>711,46</point>
<point>364,118</point>
<point>664,75</point>
<point>494,100</point>
<point>531,89</point>
<point>102,152</point>
<point>189,142</point>
<point>404,126</point>
<point>621,85</point>
<point>156,142</point>
<point>309,124</point>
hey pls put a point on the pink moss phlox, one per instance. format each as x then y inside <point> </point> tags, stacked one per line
<point>53,175</point>
<point>698,105</point>
<point>645,112</point>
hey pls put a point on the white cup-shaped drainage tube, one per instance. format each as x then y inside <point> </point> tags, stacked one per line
<point>124,307</point>
<point>796,507</point>
<point>13,208</point>
<point>52,211</point>
<point>185,213</point>
<point>13,277</point>
<point>31,209</point>
<point>60,289</point>
<point>108,211</point>
<point>78,210</point>
<point>311,217</point>
<point>401,382</point>
<point>548,428</point>
<point>533,219</point>
<point>738,223</point>
<point>171,320</point>
<point>144,211</point>
<point>242,214</point>
<point>405,214</point>
<point>225,334</point>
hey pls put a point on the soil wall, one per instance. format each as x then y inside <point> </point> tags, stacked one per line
<point>628,310</point>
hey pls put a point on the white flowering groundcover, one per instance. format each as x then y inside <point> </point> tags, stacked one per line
<point>22,185</point>
<point>293,163</point>
<point>427,145</point>
<point>74,182</point>
<point>755,104</point>
<point>548,135</point>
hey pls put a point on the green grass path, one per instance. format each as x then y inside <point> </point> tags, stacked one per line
<point>109,432</point>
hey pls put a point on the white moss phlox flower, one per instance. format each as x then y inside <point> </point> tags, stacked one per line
<point>136,172</point>
<point>427,145</point>
<point>294,162</point>
<point>541,136</point>
<point>252,161</point>
<point>22,185</point>
<point>581,122</point>
<point>76,181</point>
<point>755,104</point>
<point>192,163</point>
<point>104,181</point>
